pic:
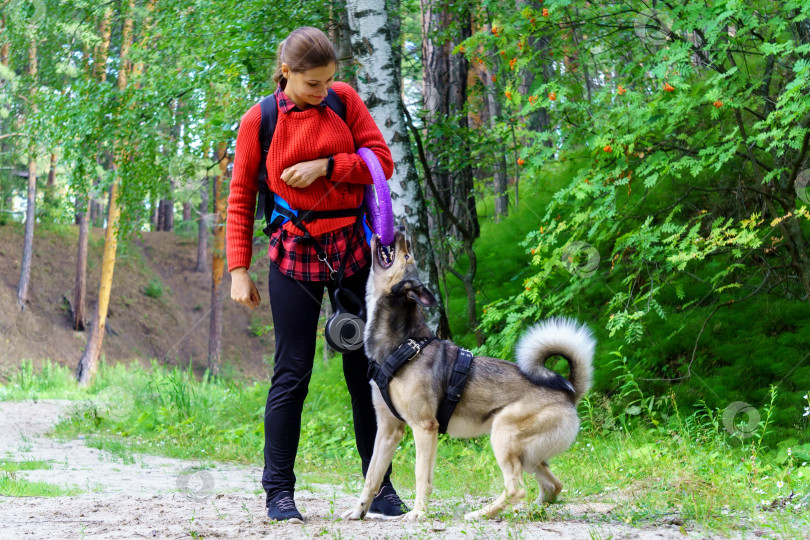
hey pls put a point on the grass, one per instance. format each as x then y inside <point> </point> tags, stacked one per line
<point>154,289</point>
<point>644,466</point>
<point>31,465</point>
<point>13,486</point>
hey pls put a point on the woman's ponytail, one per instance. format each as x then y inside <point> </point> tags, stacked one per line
<point>278,76</point>
<point>305,48</point>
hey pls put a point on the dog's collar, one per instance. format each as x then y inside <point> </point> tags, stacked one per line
<point>382,373</point>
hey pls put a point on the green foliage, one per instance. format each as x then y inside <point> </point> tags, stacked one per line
<point>154,289</point>
<point>160,130</point>
<point>685,131</point>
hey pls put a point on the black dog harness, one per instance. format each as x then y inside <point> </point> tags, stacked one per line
<point>383,373</point>
<point>458,380</point>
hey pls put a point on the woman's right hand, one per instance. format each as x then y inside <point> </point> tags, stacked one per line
<point>243,290</point>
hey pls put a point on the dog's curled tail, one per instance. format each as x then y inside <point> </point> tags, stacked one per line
<point>563,337</point>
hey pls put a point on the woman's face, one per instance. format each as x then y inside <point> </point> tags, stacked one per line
<point>308,87</point>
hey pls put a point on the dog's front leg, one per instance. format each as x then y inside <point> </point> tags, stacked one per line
<point>389,432</point>
<point>425,437</point>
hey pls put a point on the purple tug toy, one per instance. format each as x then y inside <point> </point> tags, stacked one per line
<point>378,199</point>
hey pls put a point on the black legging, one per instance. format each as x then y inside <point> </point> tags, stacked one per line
<point>296,307</point>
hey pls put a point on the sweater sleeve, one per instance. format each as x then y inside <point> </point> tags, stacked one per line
<point>351,168</point>
<point>242,198</point>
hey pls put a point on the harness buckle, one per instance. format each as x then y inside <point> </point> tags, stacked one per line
<point>414,345</point>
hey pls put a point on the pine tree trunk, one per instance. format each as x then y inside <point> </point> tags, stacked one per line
<point>30,211</point>
<point>374,35</point>
<point>186,211</point>
<point>445,96</point>
<point>88,209</point>
<point>161,216</point>
<point>166,217</point>
<point>88,364</point>
<point>436,102</point>
<point>202,229</point>
<point>168,221</point>
<point>217,266</point>
<point>5,50</point>
<point>540,120</point>
<point>154,206</point>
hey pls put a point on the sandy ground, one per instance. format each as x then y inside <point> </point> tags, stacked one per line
<point>157,497</point>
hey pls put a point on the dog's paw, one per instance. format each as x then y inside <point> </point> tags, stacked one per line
<point>473,516</point>
<point>355,513</point>
<point>414,515</point>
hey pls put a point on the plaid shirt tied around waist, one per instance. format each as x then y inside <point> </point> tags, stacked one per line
<point>297,258</point>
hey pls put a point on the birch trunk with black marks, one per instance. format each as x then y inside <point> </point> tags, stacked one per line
<point>374,35</point>
<point>30,211</point>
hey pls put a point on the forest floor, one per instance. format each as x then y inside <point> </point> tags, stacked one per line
<point>159,306</point>
<point>141,496</point>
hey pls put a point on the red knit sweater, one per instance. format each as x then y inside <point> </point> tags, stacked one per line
<point>315,133</point>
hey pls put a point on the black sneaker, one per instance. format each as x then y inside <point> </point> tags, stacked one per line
<point>387,503</point>
<point>282,508</point>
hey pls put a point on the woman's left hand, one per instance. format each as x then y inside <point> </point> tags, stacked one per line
<point>303,174</point>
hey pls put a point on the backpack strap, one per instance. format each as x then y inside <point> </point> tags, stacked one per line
<point>334,103</point>
<point>268,126</point>
<point>269,120</point>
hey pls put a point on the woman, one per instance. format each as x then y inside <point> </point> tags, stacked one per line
<point>313,166</point>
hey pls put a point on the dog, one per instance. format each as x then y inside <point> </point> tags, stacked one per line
<point>529,410</point>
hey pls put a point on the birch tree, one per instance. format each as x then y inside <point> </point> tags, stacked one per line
<point>375,31</point>
<point>30,211</point>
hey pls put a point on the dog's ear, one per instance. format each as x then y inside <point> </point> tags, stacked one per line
<point>415,291</point>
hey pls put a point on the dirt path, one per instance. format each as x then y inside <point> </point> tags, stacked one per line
<point>157,497</point>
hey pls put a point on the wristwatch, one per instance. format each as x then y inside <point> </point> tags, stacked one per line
<point>330,164</point>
